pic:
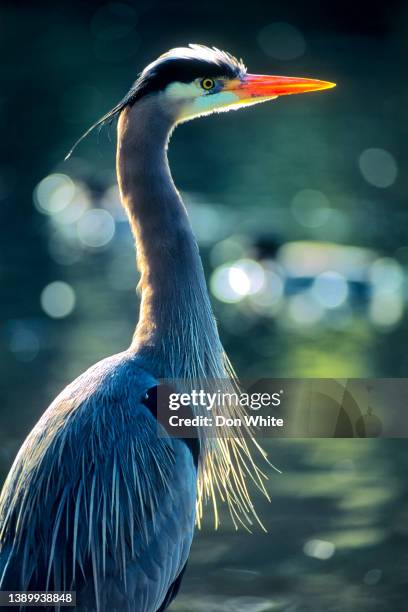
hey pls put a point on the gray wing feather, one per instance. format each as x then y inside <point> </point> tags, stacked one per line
<point>96,501</point>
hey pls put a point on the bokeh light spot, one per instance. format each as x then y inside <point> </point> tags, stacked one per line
<point>386,310</point>
<point>319,549</point>
<point>80,202</point>
<point>24,344</point>
<point>254,274</point>
<point>58,299</point>
<point>330,289</point>
<point>386,275</point>
<point>270,294</point>
<point>232,282</point>
<point>54,193</point>
<point>378,167</point>
<point>282,41</point>
<point>221,286</point>
<point>96,228</point>
<point>64,252</point>
<point>239,281</point>
<point>311,208</point>
<point>303,310</point>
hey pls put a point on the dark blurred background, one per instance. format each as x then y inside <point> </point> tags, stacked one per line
<point>299,211</point>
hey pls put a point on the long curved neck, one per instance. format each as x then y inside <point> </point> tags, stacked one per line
<point>176,329</point>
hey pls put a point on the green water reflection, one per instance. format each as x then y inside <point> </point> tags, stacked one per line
<point>336,536</point>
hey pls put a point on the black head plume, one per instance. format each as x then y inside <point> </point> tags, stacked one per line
<point>182,64</point>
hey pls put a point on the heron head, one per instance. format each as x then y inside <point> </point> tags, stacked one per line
<point>196,80</point>
<point>193,81</point>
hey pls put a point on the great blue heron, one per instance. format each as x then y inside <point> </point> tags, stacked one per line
<point>96,501</point>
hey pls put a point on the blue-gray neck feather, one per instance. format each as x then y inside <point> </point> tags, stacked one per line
<point>176,332</point>
<point>176,337</point>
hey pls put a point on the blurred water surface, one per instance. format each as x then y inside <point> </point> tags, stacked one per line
<point>299,212</point>
<point>336,535</point>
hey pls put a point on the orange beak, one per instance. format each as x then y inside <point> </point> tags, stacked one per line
<point>253,87</point>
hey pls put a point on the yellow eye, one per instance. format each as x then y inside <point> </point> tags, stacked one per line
<point>207,84</point>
